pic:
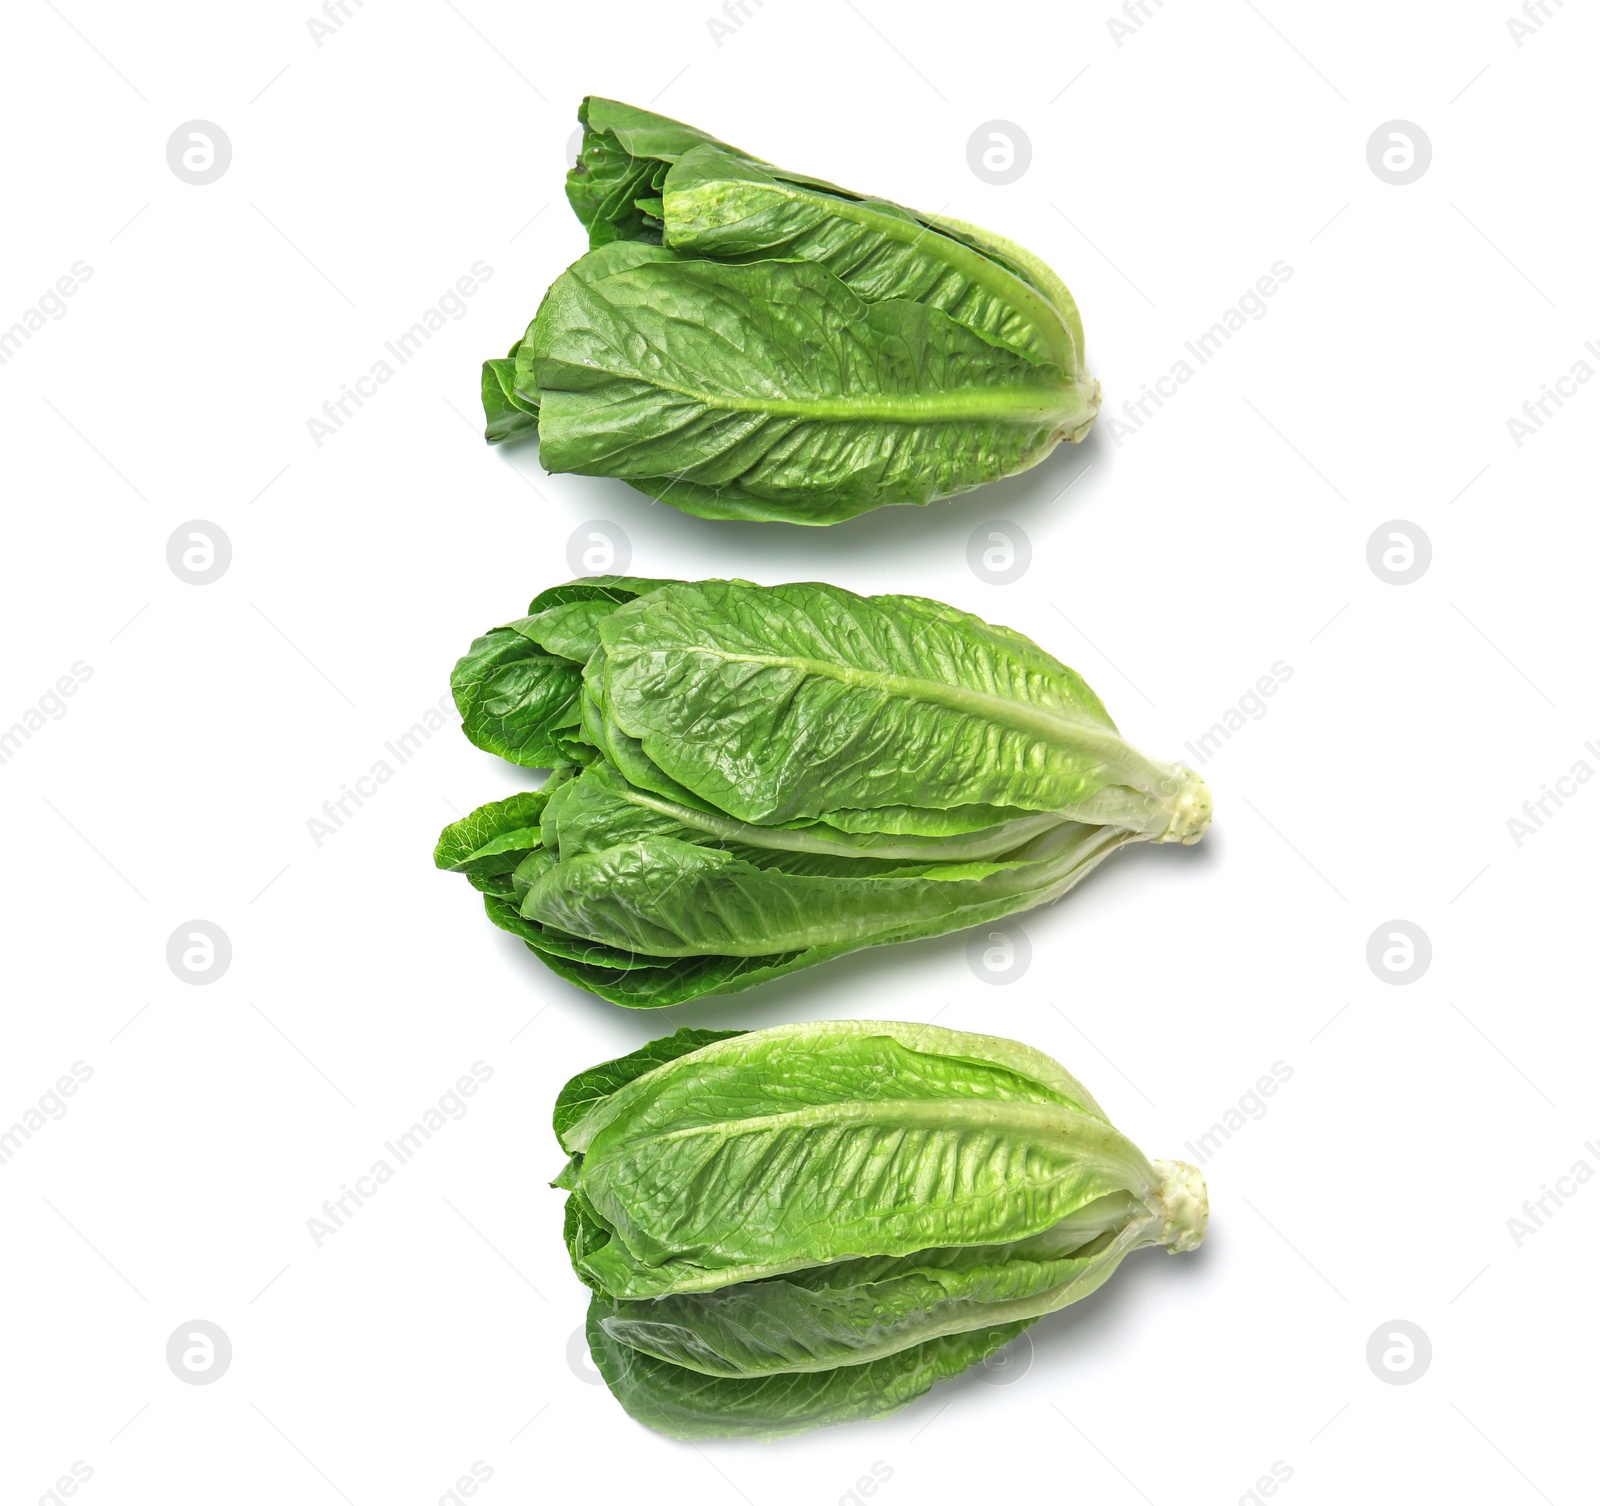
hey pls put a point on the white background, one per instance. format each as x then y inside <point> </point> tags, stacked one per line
<point>1228,533</point>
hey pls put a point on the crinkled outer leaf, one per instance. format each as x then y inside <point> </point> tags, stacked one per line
<point>721,206</point>
<point>971,822</point>
<point>582,1234</point>
<point>676,981</point>
<point>533,865</point>
<point>685,1404</point>
<point>956,832</point>
<point>667,187</point>
<point>584,1091</point>
<point>626,145</point>
<point>624,158</point>
<point>570,629</point>
<point>858,1310</point>
<point>797,701</point>
<point>617,589</point>
<point>488,845</point>
<point>826,1159</point>
<point>1020,261</point>
<point>558,950</point>
<point>506,415</point>
<point>602,809</point>
<point>518,687</point>
<point>774,384</point>
<point>670,898</point>
<point>625,754</point>
<point>635,981</point>
<point>1032,1073</point>
<point>517,700</point>
<point>565,620</point>
<point>798,1146</point>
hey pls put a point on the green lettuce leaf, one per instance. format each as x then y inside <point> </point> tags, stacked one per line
<point>519,687</point>
<point>724,207</point>
<point>812,1223</point>
<point>491,843</point>
<point>925,1147</point>
<point>686,1404</point>
<point>825,702</point>
<point>853,1311</point>
<point>506,416</point>
<point>671,898</point>
<point>745,341</point>
<point>775,385</point>
<point>598,1083</point>
<point>624,158</point>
